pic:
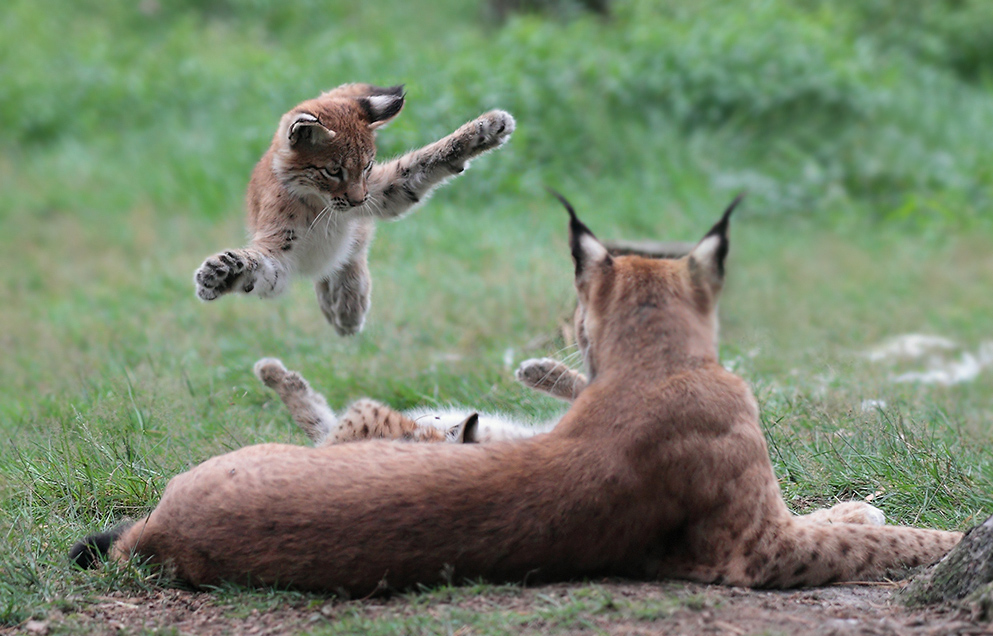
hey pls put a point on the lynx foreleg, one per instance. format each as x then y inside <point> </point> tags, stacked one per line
<point>398,185</point>
<point>248,270</point>
<point>308,408</point>
<point>551,377</point>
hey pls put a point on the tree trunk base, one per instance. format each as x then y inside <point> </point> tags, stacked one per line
<point>964,577</point>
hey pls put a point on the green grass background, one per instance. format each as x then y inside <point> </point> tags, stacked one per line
<point>860,129</point>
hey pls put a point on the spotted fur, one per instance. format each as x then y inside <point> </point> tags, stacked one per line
<point>368,419</point>
<point>316,192</point>
<point>658,469</point>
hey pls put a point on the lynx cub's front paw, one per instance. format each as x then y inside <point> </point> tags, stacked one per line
<point>492,130</point>
<point>484,133</point>
<point>219,274</point>
<point>535,373</point>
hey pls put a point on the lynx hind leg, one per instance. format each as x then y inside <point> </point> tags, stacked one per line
<point>847,512</point>
<point>551,377</point>
<point>308,408</point>
<point>345,298</point>
<point>369,419</point>
<point>810,554</point>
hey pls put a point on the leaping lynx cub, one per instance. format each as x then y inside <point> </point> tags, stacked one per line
<point>314,195</point>
<point>659,469</point>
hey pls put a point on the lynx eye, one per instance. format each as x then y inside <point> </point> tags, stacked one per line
<point>368,167</point>
<point>337,173</point>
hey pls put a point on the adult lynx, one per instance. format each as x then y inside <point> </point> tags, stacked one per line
<point>659,469</point>
<point>314,195</point>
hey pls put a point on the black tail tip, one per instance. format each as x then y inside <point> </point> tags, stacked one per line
<point>87,551</point>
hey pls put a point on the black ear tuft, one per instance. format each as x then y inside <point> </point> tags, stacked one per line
<point>382,104</point>
<point>721,227</point>
<point>396,91</point>
<point>581,252</point>
<point>712,250</point>
<point>720,230</point>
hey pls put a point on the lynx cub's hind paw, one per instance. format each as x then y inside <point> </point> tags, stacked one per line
<point>219,274</point>
<point>270,371</point>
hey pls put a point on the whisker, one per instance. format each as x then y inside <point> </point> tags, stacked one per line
<point>316,219</point>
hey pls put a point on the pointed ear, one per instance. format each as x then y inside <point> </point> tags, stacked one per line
<point>467,431</point>
<point>706,260</point>
<point>382,104</point>
<point>587,251</point>
<point>307,131</point>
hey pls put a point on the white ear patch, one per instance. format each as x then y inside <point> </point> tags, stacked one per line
<point>381,102</point>
<point>308,127</point>
<point>706,252</point>
<point>593,250</point>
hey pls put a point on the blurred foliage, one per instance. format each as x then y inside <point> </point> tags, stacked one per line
<point>500,10</point>
<point>828,108</point>
<point>957,34</point>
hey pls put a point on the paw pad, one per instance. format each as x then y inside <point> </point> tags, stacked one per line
<point>218,275</point>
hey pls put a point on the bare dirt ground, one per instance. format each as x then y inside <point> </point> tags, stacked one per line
<point>621,608</point>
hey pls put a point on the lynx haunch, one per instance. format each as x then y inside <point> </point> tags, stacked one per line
<point>659,469</point>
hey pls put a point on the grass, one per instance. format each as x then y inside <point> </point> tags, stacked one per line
<point>128,134</point>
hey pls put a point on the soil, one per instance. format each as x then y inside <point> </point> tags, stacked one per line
<point>631,608</point>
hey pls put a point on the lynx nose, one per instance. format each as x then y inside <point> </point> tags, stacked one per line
<point>356,194</point>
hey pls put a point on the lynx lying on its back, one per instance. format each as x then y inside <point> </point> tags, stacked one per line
<point>368,419</point>
<point>315,193</point>
<point>659,469</point>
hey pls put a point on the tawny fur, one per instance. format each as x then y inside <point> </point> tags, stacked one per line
<point>316,192</point>
<point>659,469</point>
<point>367,419</point>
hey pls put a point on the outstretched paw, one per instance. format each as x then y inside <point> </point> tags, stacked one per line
<point>270,371</point>
<point>491,131</point>
<point>220,274</point>
<point>484,133</point>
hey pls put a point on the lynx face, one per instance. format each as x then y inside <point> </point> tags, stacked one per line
<point>324,148</point>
